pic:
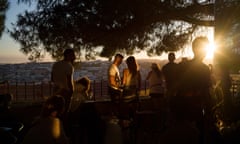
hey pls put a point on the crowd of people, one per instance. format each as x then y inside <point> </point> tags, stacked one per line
<point>182,88</point>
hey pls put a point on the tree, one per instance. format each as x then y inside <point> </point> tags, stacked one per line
<point>102,27</point>
<point>3,8</point>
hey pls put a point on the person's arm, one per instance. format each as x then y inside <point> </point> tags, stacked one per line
<point>70,83</point>
<point>125,73</point>
<point>69,77</point>
<point>112,81</point>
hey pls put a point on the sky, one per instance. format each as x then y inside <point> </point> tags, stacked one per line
<point>10,49</point>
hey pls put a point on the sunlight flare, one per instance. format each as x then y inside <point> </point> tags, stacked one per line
<point>210,50</point>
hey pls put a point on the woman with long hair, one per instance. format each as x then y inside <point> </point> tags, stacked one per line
<point>131,78</point>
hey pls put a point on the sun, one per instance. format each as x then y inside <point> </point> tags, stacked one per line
<point>210,50</point>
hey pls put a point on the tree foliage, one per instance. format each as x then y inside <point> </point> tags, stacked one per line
<point>102,27</point>
<point>227,29</point>
<point>3,9</point>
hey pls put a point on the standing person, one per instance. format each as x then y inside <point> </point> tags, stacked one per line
<point>48,128</point>
<point>170,74</point>
<point>155,78</point>
<point>131,78</point>
<point>194,85</point>
<point>62,76</point>
<point>114,79</point>
<point>156,84</point>
<point>131,85</point>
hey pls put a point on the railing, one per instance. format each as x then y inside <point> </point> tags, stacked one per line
<point>39,91</point>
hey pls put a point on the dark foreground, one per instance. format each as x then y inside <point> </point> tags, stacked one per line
<point>96,123</point>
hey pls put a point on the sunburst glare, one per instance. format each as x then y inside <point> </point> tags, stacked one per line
<point>210,50</point>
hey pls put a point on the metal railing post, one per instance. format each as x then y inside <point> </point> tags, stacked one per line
<point>25,90</point>
<point>41,89</point>
<point>145,87</point>
<point>101,88</point>
<point>34,90</point>
<point>16,90</point>
<point>94,90</point>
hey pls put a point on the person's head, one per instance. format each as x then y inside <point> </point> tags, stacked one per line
<point>69,55</point>
<point>156,69</point>
<point>86,83</point>
<point>54,104</point>
<point>118,59</point>
<point>132,64</point>
<point>199,45</point>
<point>171,57</point>
<point>155,66</point>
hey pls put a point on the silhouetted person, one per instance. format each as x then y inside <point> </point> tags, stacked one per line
<point>48,128</point>
<point>10,126</point>
<point>170,73</point>
<point>182,130</point>
<point>156,86</point>
<point>114,78</point>
<point>62,76</point>
<point>194,84</point>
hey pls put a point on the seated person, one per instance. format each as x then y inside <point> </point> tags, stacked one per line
<point>10,126</point>
<point>82,92</point>
<point>48,128</point>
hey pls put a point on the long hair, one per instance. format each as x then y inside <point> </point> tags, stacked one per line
<point>132,65</point>
<point>156,69</point>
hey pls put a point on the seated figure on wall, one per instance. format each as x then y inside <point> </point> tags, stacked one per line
<point>81,93</point>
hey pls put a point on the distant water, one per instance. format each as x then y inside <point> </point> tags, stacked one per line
<point>37,72</point>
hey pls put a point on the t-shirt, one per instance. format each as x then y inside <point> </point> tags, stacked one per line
<point>193,87</point>
<point>170,73</point>
<point>114,71</point>
<point>60,70</point>
<point>194,78</point>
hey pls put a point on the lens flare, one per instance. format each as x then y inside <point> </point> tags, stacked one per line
<point>210,50</point>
